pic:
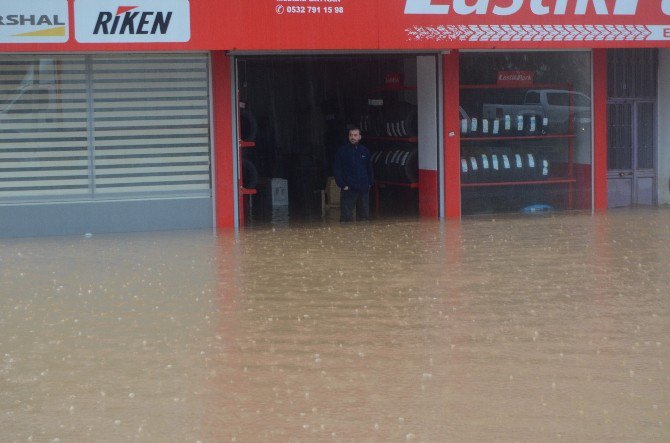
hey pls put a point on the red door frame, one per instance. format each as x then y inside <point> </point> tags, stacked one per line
<point>224,192</point>
<point>599,130</point>
<point>452,137</point>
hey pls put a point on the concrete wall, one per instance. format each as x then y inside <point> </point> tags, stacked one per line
<point>664,127</point>
<point>426,72</point>
<point>99,217</point>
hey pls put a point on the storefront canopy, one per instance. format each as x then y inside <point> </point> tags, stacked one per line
<point>92,25</point>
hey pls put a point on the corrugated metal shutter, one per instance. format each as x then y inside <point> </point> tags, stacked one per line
<point>104,126</point>
<point>151,124</point>
<point>43,128</point>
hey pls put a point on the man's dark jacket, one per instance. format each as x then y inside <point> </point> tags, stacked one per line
<point>353,167</point>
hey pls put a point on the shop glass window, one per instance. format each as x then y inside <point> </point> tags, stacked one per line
<point>526,140</point>
<point>43,127</point>
<point>581,100</point>
<point>151,124</point>
<point>103,126</point>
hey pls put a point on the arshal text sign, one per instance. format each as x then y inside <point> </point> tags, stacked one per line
<point>34,21</point>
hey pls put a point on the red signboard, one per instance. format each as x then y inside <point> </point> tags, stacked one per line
<point>384,24</point>
<point>445,24</point>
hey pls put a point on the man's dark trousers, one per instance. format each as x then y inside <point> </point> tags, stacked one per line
<point>354,199</point>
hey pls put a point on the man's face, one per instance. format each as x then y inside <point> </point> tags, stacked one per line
<point>354,136</point>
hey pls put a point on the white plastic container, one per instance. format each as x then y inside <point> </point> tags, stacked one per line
<point>279,191</point>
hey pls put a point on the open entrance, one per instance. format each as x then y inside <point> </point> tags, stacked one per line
<point>295,112</point>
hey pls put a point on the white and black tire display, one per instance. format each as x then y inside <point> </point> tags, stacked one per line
<point>504,164</point>
<point>399,164</point>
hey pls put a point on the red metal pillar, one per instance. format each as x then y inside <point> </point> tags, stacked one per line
<point>224,193</point>
<point>452,139</point>
<point>600,130</point>
<point>428,193</point>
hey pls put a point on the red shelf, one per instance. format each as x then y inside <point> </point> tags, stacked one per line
<point>519,137</point>
<point>244,144</point>
<point>245,191</point>
<point>551,181</point>
<point>531,86</point>
<point>394,89</point>
<point>400,184</point>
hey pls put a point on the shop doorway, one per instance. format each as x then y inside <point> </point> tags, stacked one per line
<point>631,127</point>
<point>295,112</point>
<point>631,177</point>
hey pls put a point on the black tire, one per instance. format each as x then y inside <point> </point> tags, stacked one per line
<point>400,120</point>
<point>402,165</point>
<point>411,166</point>
<point>248,125</point>
<point>377,159</point>
<point>249,174</point>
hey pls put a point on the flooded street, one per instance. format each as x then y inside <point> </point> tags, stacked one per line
<point>515,329</point>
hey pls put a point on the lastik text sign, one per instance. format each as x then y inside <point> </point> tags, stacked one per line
<point>134,21</point>
<point>33,21</point>
<point>542,20</point>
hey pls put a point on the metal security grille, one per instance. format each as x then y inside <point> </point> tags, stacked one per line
<point>105,126</point>
<point>43,128</point>
<point>632,73</point>
<point>619,135</point>
<point>151,124</point>
<point>646,135</point>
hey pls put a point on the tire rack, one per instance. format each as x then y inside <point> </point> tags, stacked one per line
<point>384,183</point>
<point>570,137</point>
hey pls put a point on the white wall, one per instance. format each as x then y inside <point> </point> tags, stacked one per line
<point>427,110</point>
<point>664,127</point>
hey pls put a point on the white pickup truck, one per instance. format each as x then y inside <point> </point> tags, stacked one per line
<point>553,104</point>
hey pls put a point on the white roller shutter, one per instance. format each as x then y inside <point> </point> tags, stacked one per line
<point>43,128</point>
<point>151,124</point>
<point>104,126</point>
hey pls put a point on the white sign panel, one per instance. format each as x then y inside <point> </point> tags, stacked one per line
<point>34,21</point>
<point>134,21</point>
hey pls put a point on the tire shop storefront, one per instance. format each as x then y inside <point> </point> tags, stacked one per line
<point>178,114</point>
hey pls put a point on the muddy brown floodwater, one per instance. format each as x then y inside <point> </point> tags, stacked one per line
<point>516,329</point>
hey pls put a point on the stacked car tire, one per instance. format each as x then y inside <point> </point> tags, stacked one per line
<point>398,164</point>
<point>505,126</point>
<point>504,164</point>
<point>398,119</point>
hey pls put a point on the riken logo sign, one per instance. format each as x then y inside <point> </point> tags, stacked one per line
<point>33,21</point>
<point>141,21</point>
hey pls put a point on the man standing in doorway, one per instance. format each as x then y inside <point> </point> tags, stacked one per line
<point>353,174</point>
